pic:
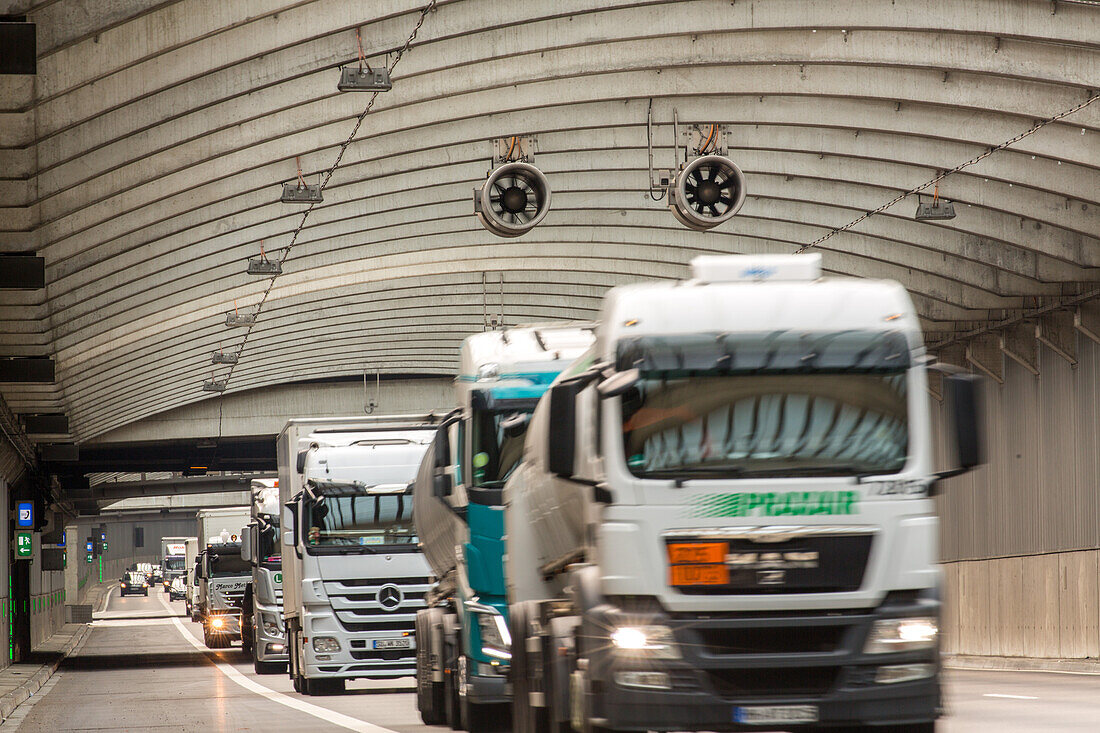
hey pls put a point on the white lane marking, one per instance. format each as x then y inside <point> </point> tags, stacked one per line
<point>1023,671</point>
<point>1010,697</point>
<point>329,716</point>
<point>99,623</point>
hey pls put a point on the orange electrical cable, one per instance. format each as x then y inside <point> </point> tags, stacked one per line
<point>362,56</point>
<point>301,181</point>
<point>508,157</point>
<point>713,129</point>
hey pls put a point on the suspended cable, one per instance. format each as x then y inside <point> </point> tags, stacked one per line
<point>324,182</point>
<point>1040,124</point>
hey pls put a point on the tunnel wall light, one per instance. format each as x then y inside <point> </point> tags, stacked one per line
<point>301,193</point>
<point>224,357</point>
<point>935,210</point>
<point>264,266</point>
<point>234,320</point>
<point>213,385</point>
<point>364,80</point>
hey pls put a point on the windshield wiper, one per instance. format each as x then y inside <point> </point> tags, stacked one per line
<point>679,475</point>
<point>838,470</point>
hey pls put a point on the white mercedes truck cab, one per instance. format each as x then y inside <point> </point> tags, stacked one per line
<point>353,571</point>
<point>724,518</point>
<point>262,630</point>
<point>222,574</point>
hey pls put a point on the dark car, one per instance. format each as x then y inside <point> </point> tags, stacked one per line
<point>133,583</point>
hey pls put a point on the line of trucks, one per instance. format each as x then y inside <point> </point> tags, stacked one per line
<point>710,509</point>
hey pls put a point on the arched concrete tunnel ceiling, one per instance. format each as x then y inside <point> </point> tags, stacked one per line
<point>146,158</point>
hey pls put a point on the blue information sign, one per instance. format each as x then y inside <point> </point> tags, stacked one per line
<point>24,516</point>
<point>62,542</point>
<point>88,546</point>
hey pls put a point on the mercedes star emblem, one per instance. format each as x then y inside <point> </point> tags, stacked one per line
<point>390,597</point>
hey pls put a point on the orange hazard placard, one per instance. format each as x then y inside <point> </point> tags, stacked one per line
<point>697,552</point>
<point>700,575</point>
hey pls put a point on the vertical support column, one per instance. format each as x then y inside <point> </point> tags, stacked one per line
<point>1055,330</point>
<point>74,558</point>
<point>1020,345</point>
<point>1086,319</point>
<point>985,354</point>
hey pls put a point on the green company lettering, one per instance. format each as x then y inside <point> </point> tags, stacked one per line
<point>278,578</point>
<point>775,504</point>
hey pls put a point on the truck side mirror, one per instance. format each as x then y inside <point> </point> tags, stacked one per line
<point>962,399</point>
<point>561,436</point>
<point>441,447</point>
<point>442,486</point>
<point>246,544</point>
<point>300,463</point>
<point>618,383</point>
<point>290,526</point>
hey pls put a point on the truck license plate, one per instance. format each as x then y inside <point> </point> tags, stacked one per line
<point>775,714</point>
<point>393,643</point>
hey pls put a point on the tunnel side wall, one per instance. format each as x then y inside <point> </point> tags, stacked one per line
<point>122,550</point>
<point>1021,536</point>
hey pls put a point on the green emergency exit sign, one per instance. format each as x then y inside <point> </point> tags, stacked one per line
<point>24,545</point>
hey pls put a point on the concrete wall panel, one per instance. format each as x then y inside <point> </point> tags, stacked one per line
<point>1079,619</point>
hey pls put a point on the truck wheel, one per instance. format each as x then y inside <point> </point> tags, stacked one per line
<point>246,642</point>
<point>429,694</point>
<point>292,660</point>
<point>208,638</point>
<point>452,712</point>
<point>268,667</point>
<point>323,686</point>
<point>525,717</point>
<point>484,718</point>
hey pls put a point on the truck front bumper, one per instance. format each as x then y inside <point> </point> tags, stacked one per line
<point>734,668</point>
<point>357,658</point>
<point>268,647</point>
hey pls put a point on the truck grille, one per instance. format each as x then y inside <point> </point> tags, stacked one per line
<point>746,655</point>
<point>356,604</point>
<point>794,681</point>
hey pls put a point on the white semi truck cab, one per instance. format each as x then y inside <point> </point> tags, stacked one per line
<point>723,519</point>
<point>261,620</point>
<point>173,554</point>
<point>353,572</point>
<point>222,574</point>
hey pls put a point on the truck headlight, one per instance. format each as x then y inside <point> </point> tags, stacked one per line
<point>496,640</point>
<point>652,642</point>
<point>325,644</point>
<point>270,624</point>
<point>902,635</point>
<point>217,622</point>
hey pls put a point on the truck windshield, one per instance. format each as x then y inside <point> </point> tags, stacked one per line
<point>174,562</point>
<point>228,564</point>
<point>769,425</point>
<point>361,521</point>
<point>497,443</point>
